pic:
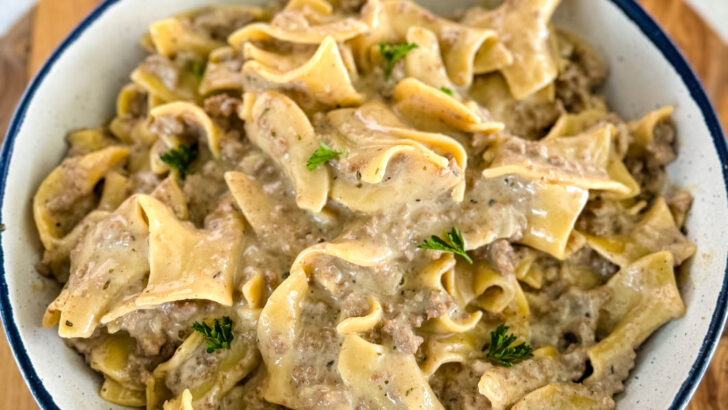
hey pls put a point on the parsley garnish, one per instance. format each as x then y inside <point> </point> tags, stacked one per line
<point>323,154</point>
<point>501,352</point>
<point>447,91</point>
<point>454,243</point>
<point>218,336</point>
<point>198,69</point>
<point>180,158</point>
<point>393,53</point>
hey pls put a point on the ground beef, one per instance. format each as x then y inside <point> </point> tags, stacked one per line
<point>220,22</point>
<point>74,186</point>
<point>221,105</point>
<point>438,303</point>
<point>249,395</point>
<point>650,180</point>
<point>662,148</point>
<point>456,386</point>
<point>144,182</point>
<point>602,217</point>
<point>403,336</point>
<point>584,72</point>
<point>649,170</point>
<point>139,105</point>
<point>531,120</point>
<point>596,262</point>
<point>168,324</point>
<point>138,366</point>
<point>502,256</point>
<point>679,202</point>
<point>351,6</point>
<point>354,304</point>
<point>167,125</point>
<point>568,321</point>
<point>506,385</point>
<point>203,190</point>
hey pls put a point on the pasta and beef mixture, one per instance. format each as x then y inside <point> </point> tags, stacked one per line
<point>363,205</point>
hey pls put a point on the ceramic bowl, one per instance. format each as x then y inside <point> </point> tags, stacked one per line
<point>77,87</point>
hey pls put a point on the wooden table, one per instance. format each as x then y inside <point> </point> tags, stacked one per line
<point>28,44</point>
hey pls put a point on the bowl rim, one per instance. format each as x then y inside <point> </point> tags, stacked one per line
<point>631,10</point>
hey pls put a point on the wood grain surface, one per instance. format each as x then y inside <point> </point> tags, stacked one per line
<point>30,41</point>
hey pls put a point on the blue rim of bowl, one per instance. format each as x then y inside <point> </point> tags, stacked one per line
<point>629,7</point>
<point>717,322</point>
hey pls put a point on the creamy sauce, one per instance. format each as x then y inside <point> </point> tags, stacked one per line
<point>315,290</point>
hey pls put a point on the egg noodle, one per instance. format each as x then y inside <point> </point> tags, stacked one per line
<point>359,205</point>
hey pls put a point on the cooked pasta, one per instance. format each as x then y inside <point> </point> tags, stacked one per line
<point>361,205</point>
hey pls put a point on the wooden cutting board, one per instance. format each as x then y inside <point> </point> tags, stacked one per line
<point>23,51</point>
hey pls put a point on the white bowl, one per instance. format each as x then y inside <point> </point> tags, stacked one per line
<point>77,87</point>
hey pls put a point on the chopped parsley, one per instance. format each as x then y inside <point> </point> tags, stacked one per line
<point>323,154</point>
<point>218,336</point>
<point>392,53</point>
<point>453,242</point>
<point>198,69</point>
<point>447,91</point>
<point>502,353</point>
<point>180,158</point>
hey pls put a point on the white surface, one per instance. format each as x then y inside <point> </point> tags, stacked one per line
<point>107,52</point>
<point>715,12</point>
<point>11,10</point>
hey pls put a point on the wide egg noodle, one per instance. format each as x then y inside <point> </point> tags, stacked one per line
<point>362,324</point>
<point>552,218</point>
<point>489,127</point>
<point>186,263</point>
<point>184,88</point>
<point>271,117</point>
<point>643,129</point>
<point>424,63</point>
<point>361,361</point>
<point>576,124</point>
<point>172,35</point>
<point>103,271</point>
<point>324,77</point>
<point>491,92</point>
<point>656,231</point>
<point>524,29</point>
<point>579,161</point>
<point>645,296</point>
<point>564,396</point>
<point>421,103</point>
<point>177,34</point>
<point>67,184</point>
<point>375,140</point>
<point>390,20</point>
<point>222,72</point>
<point>228,367</point>
<point>279,324</point>
<point>432,276</point>
<point>307,30</point>
<point>194,117</point>
<point>272,60</point>
<point>114,392</point>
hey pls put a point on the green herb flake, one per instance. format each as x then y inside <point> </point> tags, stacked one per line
<point>453,242</point>
<point>502,353</point>
<point>323,154</point>
<point>180,158</point>
<point>392,53</point>
<point>447,91</point>
<point>219,336</point>
<point>198,69</point>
